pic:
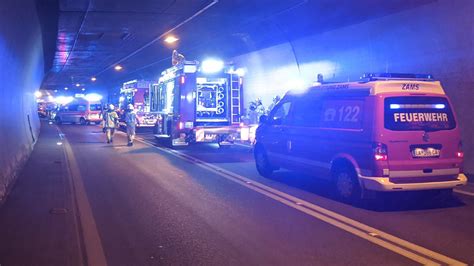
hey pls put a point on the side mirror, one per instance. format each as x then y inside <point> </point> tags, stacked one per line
<point>263,119</point>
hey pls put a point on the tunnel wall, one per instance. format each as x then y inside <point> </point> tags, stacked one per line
<point>437,38</point>
<point>21,73</point>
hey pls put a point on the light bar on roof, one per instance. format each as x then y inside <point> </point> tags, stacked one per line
<point>397,76</point>
<point>417,106</point>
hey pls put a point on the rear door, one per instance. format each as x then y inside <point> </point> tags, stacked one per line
<point>421,135</point>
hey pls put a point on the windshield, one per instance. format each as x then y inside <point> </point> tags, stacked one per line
<point>410,113</point>
<point>95,107</point>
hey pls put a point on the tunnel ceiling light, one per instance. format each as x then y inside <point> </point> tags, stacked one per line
<point>78,85</point>
<point>93,79</point>
<point>171,39</point>
<point>212,66</point>
<point>83,89</point>
<point>118,67</point>
<point>38,94</point>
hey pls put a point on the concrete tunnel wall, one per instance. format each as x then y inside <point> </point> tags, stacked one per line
<point>437,38</point>
<point>21,73</point>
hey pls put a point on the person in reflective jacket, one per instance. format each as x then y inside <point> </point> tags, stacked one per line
<point>110,122</point>
<point>131,121</point>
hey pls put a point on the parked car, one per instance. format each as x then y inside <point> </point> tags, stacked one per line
<point>386,133</point>
<point>79,111</point>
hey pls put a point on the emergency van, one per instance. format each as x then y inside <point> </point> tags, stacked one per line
<point>79,111</point>
<point>387,132</point>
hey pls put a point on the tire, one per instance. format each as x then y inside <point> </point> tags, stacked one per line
<point>347,185</point>
<point>262,163</point>
<point>82,121</point>
<point>57,120</point>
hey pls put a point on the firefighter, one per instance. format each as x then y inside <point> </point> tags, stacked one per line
<point>131,121</point>
<point>110,122</point>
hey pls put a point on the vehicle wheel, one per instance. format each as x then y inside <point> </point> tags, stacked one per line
<point>264,167</point>
<point>347,185</point>
<point>57,120</point>
<point>82,121</point>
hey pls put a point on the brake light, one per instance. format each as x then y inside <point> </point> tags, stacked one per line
<point>380,152</point>
<point>183,79</point>
<point>460,153</point>
<point>180,125</point>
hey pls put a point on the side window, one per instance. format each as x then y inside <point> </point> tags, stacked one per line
<point>72,107</point>
<point>342,113</point>
<point>306,112</point>
<point>81,108</point>
<point>279,115</point>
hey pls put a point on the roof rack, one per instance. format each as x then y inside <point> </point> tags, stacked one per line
<point>396,76</point>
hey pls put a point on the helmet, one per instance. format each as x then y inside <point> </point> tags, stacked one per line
<point>130,106</point>
<point>111,107</point>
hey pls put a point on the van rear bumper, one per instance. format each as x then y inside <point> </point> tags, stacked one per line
<point>384,184</point>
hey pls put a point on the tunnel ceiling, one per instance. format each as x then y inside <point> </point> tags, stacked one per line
<point>95,35</point>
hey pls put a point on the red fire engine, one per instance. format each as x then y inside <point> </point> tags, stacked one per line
<point>137,93</point>
<point>198,102</point>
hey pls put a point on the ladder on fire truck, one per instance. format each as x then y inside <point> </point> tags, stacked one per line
<point>235,97</point>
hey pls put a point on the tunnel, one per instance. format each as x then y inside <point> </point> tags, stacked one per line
<point>234,64</point>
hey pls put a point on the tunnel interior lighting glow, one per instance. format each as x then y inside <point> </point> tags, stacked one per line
<point>240,72</point>
<point>297,85</point>
<point>93,79</point>
<point>171,39</point>
<point>118,67</point>
<point>93,97</point>
<point>83,89</point>
<point>212,66</point>
<point>64,99</point>
<point>38,94</point>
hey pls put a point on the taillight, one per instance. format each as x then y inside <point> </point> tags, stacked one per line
<point>180,125</point>
<point>460,153</point>
<point>380,152</point>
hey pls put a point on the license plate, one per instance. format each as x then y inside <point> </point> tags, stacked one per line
<point>428,152</point>
<point>210,136</point>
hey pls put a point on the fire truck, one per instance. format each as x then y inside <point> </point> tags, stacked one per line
<point>137,93</point>
<point>198,102</point>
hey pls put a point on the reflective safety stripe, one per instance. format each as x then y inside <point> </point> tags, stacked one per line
<point>415,173</point>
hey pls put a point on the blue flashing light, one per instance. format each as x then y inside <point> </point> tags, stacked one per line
<point>395,106</point>
<point>212,66</point>
<point>440,106</point>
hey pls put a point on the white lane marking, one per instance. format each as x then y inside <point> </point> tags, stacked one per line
<point>94,251</point>
<point>388,241</point>
<point>464,192</point>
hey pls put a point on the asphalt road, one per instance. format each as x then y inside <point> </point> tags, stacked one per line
<point>148,205</point>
